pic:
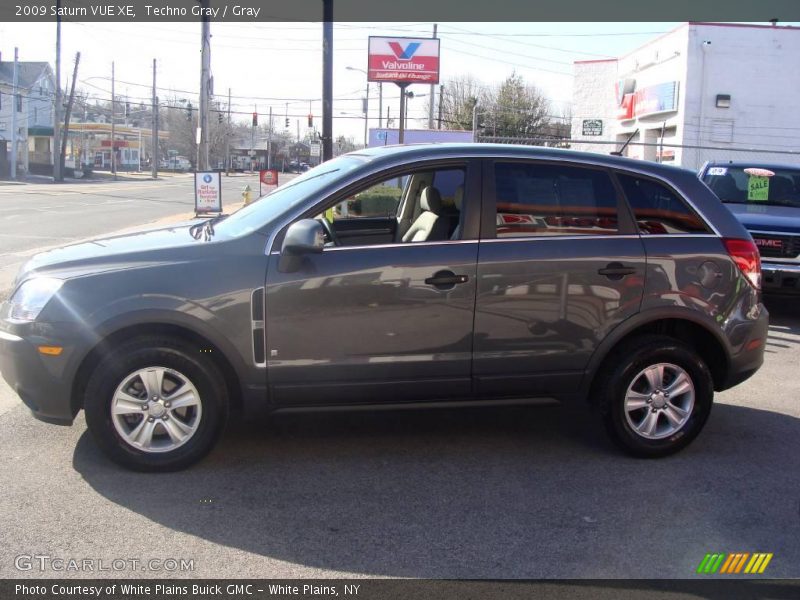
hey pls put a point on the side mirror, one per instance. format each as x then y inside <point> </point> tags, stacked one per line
<point>303,237</point>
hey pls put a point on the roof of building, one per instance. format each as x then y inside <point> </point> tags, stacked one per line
<point>690,24</point>
<point>28,72</point>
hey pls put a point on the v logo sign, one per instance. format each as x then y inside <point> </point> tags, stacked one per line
<point>404,54</point>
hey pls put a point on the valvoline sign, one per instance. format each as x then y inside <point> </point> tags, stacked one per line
<point>403,59</point>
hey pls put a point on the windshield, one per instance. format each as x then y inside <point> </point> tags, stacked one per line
<point>286,197</point>
<point>755,185</point>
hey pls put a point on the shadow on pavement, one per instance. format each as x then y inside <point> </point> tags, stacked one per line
<point>515,492</point>
<point>784,322</point>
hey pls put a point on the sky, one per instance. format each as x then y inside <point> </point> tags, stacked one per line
<point>279,65</point>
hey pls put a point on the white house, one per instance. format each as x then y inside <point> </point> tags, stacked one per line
<point>33,103</point>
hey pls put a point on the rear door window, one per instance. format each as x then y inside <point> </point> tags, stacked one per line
<point>658,209</point>
<point>540,199</point>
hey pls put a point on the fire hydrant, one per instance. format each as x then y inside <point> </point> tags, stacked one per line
<point>246,195</point>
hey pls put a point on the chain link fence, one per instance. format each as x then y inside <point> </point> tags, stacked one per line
<point>686,155</point>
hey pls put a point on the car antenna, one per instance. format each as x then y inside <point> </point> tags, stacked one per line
<point>625,145</point>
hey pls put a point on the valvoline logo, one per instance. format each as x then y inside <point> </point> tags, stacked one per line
<point>406,53</point>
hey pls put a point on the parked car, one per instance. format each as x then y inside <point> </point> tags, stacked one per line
<point>765,197</point>
<point>505,274</point>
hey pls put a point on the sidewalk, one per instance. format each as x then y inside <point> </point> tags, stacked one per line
<point>97,177</point>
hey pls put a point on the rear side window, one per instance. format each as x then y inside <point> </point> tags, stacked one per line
<point>535,200</point>
<point>658,210</point>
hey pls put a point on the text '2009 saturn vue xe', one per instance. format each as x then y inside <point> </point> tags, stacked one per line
<point>433,275</point>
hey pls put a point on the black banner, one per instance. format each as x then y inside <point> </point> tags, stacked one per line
<point>390,589</point>
<point>407,10</point>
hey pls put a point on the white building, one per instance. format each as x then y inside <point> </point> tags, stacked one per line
<point>714,90</point>
<point>33,103</point>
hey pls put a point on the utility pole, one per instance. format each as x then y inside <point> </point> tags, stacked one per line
<point>366,117</point>
<point>269,141</point>
<point>441,97</point>
<point>57,107</point>
<point>113,123</point>
<point>205,91</point>
<point>154,153</point>
<point>63,150</point>
<point>380,105</point>
<point>401,132</point>
<point>14,101</point>
<point>327,80</point>
<point>432,92</point>
<point>228,136</point>
<point>253,136</point>
<point>475,121</point>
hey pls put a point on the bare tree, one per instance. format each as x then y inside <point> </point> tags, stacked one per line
<point>344,145</point>
<point>458,101</point>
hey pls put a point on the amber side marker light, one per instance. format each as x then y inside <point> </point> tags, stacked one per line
<point>51,350</point>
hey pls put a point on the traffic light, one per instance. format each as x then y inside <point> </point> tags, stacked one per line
<point>287,123</point>
<point>255,119</point>
<point>127,108</point>
<point>219,117</point>
<point>189,111</point>
<point>310,120</point>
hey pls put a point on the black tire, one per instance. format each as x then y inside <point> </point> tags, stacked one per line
<point>156,351</point>
<point>618,372</point>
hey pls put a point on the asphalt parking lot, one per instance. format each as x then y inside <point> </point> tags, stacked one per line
<point>494,493</point>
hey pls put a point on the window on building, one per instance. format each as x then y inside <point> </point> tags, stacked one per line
<point>536,200</point>
<point>658,210</point>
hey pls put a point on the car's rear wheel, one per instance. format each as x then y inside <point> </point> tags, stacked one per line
<point>655,394</point>
<point>153,404</point>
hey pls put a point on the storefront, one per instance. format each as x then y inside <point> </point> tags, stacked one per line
<point>704,91</point>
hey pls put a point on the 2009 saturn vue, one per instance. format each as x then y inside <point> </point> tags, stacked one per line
<point>431,274</point>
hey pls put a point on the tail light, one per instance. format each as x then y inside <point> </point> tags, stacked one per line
<point>745,254</point>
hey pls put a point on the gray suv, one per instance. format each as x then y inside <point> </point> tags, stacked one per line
<point>404,276</point>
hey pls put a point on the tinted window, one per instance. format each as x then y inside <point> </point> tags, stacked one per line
<point>544,200</point>
<point>658,209</point>
<point>744,185</point>
<point>287,197</point>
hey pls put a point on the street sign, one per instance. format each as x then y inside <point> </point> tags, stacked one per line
<point>207,192</point>
<point>592,127</point>
<point>315,149</point>
<point>267,177</point>
<point>403,59</point>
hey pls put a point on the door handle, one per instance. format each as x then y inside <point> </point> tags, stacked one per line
<point>446,279</point>
<point>616,271</point>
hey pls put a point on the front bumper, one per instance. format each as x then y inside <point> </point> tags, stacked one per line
<point>780,278</point>
<point>36,378</point>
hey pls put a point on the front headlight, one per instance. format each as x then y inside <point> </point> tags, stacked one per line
<point>31,297</point>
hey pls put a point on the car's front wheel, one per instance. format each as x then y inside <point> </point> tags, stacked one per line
<point>153,404</point>
<point>655,395</point>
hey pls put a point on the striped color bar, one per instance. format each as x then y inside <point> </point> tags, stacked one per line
<point>734,563</point>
